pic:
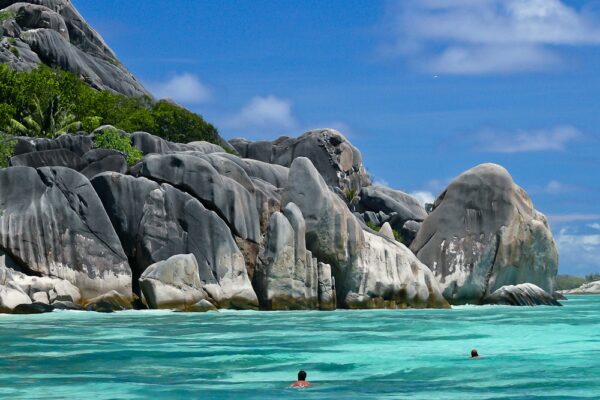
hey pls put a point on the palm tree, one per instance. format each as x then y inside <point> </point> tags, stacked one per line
<point>50,120</point>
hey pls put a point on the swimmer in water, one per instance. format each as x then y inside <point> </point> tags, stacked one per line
<point>301,382</point>
<point>474,353</point>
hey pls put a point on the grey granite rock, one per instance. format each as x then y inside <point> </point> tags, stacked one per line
<point>103,160</point>
<point>484,234</point>
<point>326,289</point>
<point>53,223</point>
<point>108,302</point>
<point>331,153</point>
<point>151,144</point>
<point>54,33</point>
<point>287,275</point>
<point>382,199</point>
<point>156,222</point>
<point>49,158</point>
<point>219,193</point>
<point>173,283</point>
<point>524,294</point>
<point>586,288</point>
<point>370,270</point>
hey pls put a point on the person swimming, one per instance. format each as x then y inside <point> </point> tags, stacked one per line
<point>301,382</point>
<point>474,353</point>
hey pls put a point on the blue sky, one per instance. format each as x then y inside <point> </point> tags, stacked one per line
<point>425,89</point>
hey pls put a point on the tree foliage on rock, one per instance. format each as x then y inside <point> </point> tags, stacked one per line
<point>46,102</point>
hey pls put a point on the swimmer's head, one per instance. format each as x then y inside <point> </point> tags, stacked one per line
<point>302,375</point>
<point>474,353</point>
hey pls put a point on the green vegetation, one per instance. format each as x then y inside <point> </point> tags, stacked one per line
<point>47,102</point>
<point>592,277</point>
<point>7,146</point>
<point>350,194</point>
<point>566,282</point>
<point>112,139</point>
<point>429,207</point>
<point>376,228</point>
<point>6,15</point>
<point>15,51</point>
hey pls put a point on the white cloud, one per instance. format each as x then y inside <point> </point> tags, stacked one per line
<point>184,88</point>
<point>487,36</point>
<point>595,226</point>
<point>552,187</point>
<point>424,197</point>
<point>264,112</point>
<point>553,139</point>
<point>562,218</point>
<point>579,252</point>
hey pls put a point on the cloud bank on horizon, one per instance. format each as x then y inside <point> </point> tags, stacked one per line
<point>488,36</point>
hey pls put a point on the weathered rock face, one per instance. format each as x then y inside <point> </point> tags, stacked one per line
<point>390,201</point>
<point>173,283</point>
<point>73,151</point>
<point>287,276</point>
<point>52,223</point>
<point>151,144</point>
<point>331,153</point>
<point>196,176</point>
<point>370,270</point>
<point>155,222</point>
<point>17,288</point>
<point>525,294</point>
<point>484,234</point>
<point>586,288</point>
<point>52,32</point>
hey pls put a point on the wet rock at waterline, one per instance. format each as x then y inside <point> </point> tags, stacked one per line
<point>370,270</point>
<point>157,221</point>
<point>53,223</point>
<point>525,294</point>
<point>173,283</point>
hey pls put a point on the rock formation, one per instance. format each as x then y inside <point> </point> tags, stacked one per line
<point>173,283</point>
<point>370,270</point>
<point>155,222</point>
<point>331,153</point>
<point>52,32</point>
<point>484,234</point>
<point>524,294</point>
<point>586,288</point>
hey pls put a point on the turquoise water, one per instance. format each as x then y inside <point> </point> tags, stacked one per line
<point>528,353</point>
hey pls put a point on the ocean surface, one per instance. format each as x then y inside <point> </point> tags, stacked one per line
<point>527,353</point>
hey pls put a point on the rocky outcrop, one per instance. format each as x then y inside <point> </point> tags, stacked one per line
<point>17,288</point>
<point>331,153</point>
<point>389,201</point>
<point>370,270</point>
<point>173,283</point>
<point>484,234</point>
<point>196,176</point>
<point>53,224</point>
<point>287,276</point>
<point>524,294</point>
<point>586,288</point>
<point>151,144</point>
<point>52,32</point>
<point>74,151</point>
<point>155,222</point>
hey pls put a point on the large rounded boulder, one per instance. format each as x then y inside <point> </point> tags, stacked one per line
<point>484,234</point>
